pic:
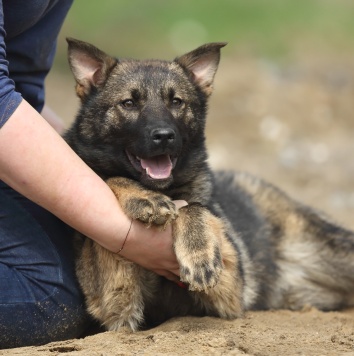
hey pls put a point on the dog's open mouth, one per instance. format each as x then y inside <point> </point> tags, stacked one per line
<point>157,167</point>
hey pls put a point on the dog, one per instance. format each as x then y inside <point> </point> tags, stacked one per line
<point>241,243</point>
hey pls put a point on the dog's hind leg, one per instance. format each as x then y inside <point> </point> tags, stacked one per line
<point>313,257</point>
<point>111,286</point>
<point>316,264</point>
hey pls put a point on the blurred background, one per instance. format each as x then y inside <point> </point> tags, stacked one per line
<point>283,105</point>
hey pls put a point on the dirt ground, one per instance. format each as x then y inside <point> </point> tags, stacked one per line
<point>293,125</point>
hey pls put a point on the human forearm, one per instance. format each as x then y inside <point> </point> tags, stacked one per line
<point>38,163</point>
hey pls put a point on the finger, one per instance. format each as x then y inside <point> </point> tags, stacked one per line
<point>175,272</point>
<point>168,275</point>
<point>180,203</point>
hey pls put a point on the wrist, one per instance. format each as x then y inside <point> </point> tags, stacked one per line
<point>126,237</point>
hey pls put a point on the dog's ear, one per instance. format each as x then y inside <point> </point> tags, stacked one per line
<point>89,65</point>
<point>202,63</point>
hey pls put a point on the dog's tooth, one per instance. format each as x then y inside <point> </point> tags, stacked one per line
<point>138,158</point>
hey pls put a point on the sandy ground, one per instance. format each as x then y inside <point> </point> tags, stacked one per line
<point>258,333</point>
<point>293,125</point>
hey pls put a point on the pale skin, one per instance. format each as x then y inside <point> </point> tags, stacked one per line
<point>38,163</point>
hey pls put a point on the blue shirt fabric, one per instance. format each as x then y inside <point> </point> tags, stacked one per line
<point>28,33</point>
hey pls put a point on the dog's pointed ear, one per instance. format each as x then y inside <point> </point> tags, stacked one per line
<point>89,65</point>
<point>202,63</point>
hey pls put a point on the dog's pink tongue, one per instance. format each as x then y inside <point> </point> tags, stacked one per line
<point>158,167</point>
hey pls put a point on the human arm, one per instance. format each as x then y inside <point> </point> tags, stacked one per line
<point>38,163</point>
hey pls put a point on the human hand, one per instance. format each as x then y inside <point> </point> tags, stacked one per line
<point>152,248</point>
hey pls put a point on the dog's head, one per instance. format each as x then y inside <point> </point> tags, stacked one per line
<point>142,119</point>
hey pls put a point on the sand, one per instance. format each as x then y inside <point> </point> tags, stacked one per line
<point>309,332</point>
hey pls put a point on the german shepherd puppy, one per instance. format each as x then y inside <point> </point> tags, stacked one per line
<point>241,243</point>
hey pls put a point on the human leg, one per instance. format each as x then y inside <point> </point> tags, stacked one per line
<point>40,300</point>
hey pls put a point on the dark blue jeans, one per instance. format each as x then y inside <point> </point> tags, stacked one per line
<point>40,300</point>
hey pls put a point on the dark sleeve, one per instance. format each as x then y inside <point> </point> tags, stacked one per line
<point>9,98</point>
<point>31,52</point>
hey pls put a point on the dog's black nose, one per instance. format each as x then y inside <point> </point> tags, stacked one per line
<point>163,136</point>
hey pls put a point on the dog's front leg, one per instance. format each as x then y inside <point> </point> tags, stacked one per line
<point>209,264</point>
<point>197,235</point>
<point>111,287</point>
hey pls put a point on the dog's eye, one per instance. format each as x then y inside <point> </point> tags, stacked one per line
<point>176,102</point>
<point>128,104</point>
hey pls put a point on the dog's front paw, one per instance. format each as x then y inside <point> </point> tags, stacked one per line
<point>141,204</point>
<point>197,245</point>
<point>151,208</point>
<point>201,272</point>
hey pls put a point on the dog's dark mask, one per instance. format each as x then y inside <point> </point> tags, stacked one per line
<point>141,119</point>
